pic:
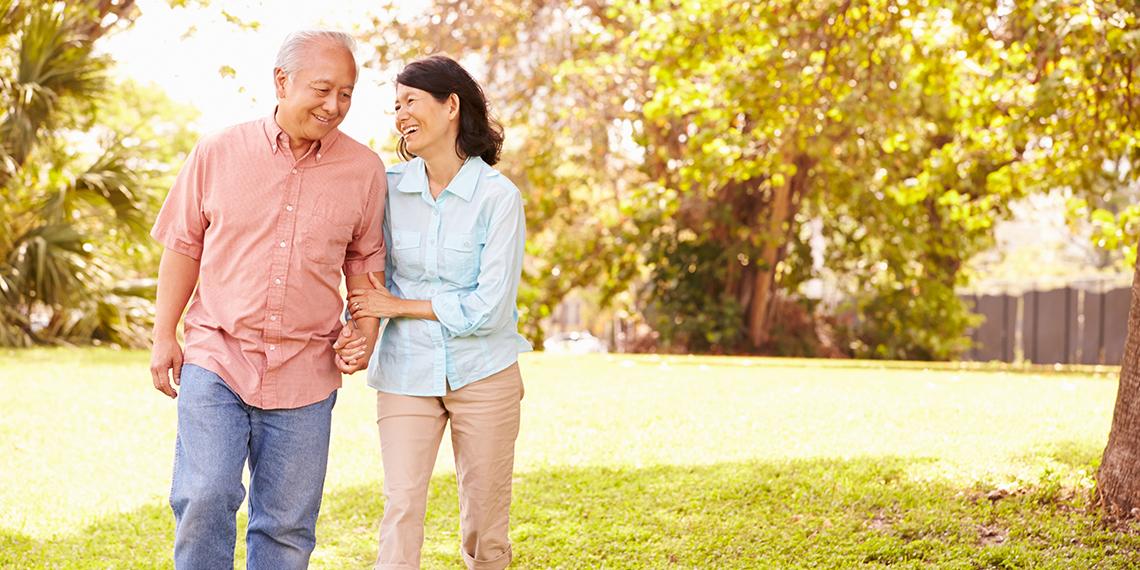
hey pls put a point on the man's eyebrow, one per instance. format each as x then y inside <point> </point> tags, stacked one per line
<point>330,82</point>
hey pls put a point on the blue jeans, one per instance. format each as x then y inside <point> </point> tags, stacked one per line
<point>287,452</point>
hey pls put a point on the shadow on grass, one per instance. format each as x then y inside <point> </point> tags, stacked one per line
<point>863,513</point>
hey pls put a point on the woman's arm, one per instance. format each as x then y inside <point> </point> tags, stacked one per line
<point>477,312</point>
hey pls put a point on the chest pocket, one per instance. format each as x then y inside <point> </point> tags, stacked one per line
<point>327,234</point>
<point>407,252</point>
<point>461,253</point>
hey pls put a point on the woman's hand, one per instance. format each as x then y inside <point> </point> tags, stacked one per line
<point>351,348</point>
<point>377,302</point>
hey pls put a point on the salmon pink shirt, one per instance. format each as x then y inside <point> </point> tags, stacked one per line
<point>273,235</point>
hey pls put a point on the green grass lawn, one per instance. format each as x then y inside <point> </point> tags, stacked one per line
<point>623,462</point>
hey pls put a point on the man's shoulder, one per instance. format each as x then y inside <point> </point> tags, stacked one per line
<point>359,151</point>
<point>227,136</point>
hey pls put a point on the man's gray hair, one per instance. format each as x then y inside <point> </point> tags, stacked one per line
<point>293,49</point>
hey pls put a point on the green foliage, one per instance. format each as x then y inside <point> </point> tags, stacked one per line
<point>83,163</point>
<point>682,150</point>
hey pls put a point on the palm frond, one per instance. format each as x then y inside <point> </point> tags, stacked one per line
<point>9,16</point>
<point>54,63</point>
<point>109,181</point>
<point>48,263</point>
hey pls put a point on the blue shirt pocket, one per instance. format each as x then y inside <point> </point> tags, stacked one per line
<point>407,252</point>
<point>461,254</point>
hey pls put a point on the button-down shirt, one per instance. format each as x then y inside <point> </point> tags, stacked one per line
<point>273,234</point>
<point>463,251</point>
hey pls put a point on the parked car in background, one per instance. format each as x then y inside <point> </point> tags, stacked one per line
<point>574,342</point>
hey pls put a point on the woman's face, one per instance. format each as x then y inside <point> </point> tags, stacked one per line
<point>427,125</point>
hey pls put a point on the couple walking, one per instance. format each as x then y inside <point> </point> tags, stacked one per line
<point>261,223</point>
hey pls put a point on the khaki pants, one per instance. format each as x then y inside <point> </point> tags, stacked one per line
<point>484,425</point>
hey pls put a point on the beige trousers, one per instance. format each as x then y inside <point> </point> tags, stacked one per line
<point>484,419</point>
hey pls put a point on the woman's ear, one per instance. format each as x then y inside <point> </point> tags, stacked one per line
<point>452,106</point>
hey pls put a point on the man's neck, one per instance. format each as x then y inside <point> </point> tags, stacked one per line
<point>297,145</point>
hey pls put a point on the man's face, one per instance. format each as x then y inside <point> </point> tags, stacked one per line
<point>315,99</point>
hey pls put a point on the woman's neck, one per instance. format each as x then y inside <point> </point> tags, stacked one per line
<point>440,171</point>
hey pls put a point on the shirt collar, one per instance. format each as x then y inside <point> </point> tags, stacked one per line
<point>463,185</point>
<point>279,139</point>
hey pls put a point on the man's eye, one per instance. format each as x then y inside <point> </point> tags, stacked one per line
<point>322,91</point>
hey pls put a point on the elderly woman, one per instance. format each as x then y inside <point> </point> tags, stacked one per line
<point>455,231</point>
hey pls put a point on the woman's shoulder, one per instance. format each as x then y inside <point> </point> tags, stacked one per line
<point>397,172</point>
<point>398,169</point>
<point>496,183</point>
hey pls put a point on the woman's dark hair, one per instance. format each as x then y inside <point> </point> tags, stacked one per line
<point>479,134</point>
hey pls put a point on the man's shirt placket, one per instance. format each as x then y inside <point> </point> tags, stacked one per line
<point>285,233</point>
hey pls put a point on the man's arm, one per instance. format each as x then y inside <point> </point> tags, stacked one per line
<point>177,277</point>
<point>367,328</point>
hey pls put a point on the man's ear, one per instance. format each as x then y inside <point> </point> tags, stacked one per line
<point>280,78</point>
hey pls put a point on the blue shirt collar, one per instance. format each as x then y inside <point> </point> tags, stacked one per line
<point>463,185</point>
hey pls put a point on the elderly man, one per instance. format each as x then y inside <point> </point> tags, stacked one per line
<point>262,218</point>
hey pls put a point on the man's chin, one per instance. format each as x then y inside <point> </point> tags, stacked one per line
<point>319,129</point>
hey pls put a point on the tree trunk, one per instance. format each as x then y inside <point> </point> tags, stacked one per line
<point>782,208</point>
<point>764,277</point>
<point>1118,479</point>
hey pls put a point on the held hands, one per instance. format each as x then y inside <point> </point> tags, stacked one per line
<point>351,349</point>
<point>378,302</point>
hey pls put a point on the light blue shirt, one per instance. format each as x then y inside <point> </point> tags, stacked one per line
<point>464,252</point>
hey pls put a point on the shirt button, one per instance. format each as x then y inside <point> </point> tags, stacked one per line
<point>272,347</point>
<point>273,317</point>
<point>289,208</point>
<point>318,155</point>
<point>282,243</point>
<point>277,281</point>
<point>294,171</point>
<point>467,243</point>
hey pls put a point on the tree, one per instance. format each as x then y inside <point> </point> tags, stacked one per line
<point>80,173</point>
<point>681,151</point>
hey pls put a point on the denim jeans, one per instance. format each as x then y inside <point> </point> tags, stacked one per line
<point>287,452</point>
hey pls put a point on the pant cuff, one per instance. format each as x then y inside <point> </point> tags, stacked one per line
<point>497,563</point>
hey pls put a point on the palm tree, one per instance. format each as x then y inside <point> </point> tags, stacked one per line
<point>58,206</point>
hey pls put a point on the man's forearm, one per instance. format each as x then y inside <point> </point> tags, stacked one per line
<point>177,277</point>
<point>369,326</point>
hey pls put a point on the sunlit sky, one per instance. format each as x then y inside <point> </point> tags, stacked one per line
<point>158,49</point>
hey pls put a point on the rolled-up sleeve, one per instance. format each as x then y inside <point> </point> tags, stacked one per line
<point>491,305</point>
<point>181,223</point>
<point>367,252</point>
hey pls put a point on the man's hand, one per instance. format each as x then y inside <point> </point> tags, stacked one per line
<point>166,365</point>
<point>177,277</point>
<point>351,349</point>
